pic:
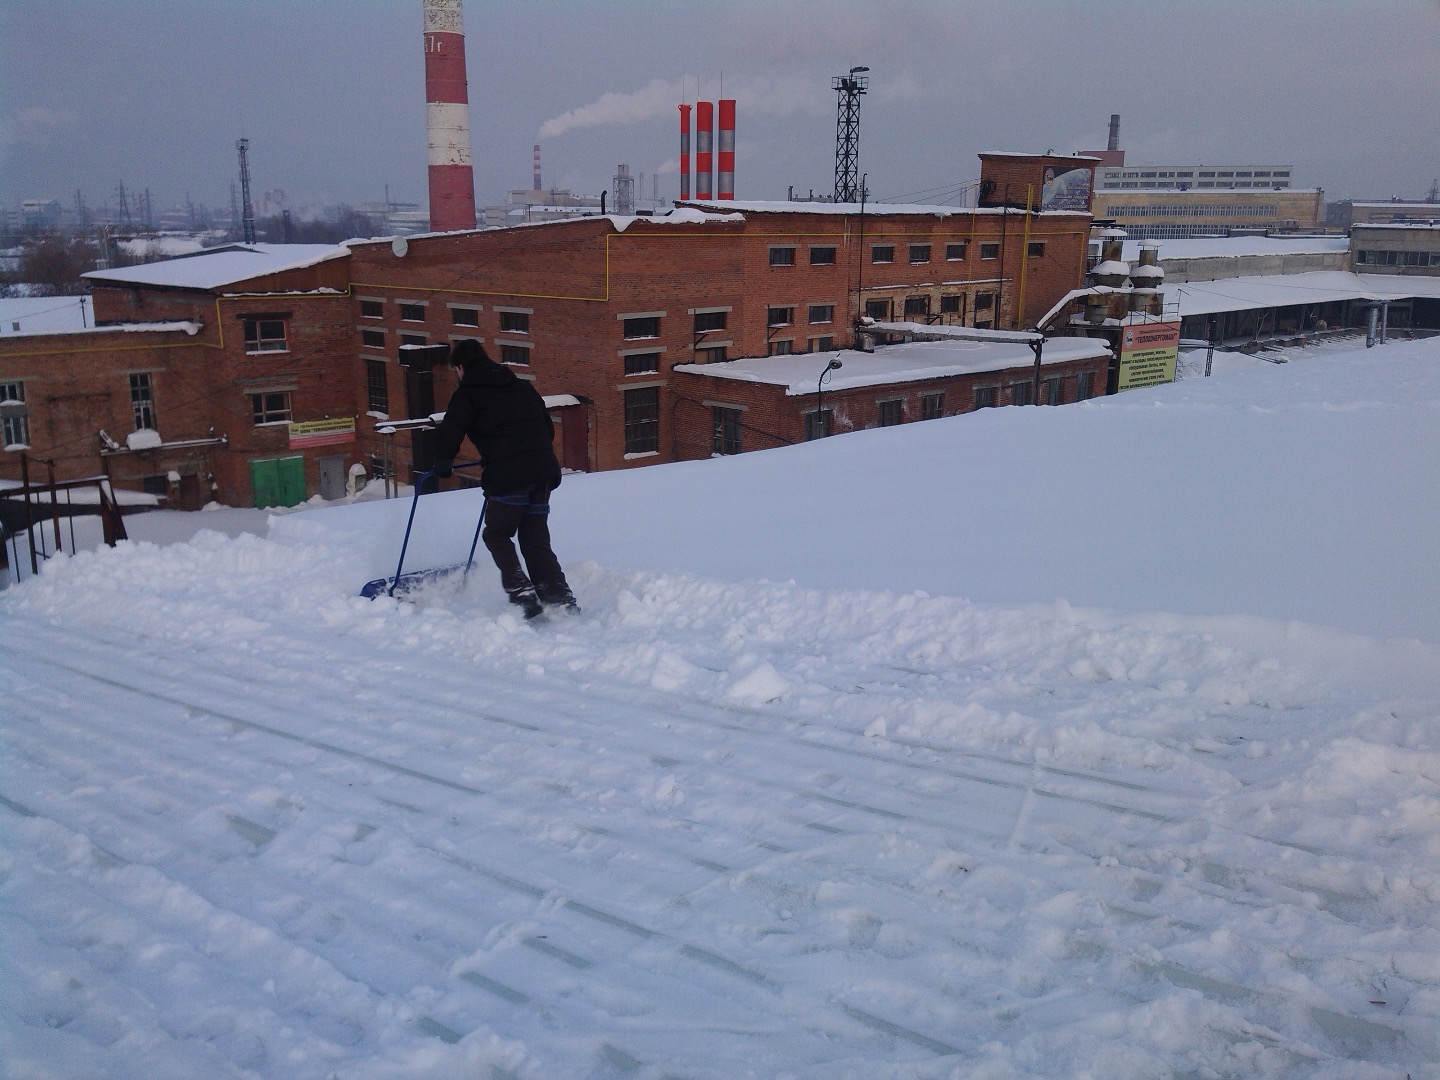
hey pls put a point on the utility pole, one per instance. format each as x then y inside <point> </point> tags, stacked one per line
<point>847,132</point>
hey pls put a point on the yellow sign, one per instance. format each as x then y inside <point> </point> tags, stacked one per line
<point>308,433</point>
<point>1148,352</point>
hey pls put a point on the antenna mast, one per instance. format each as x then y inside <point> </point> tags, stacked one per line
<point>847,133</point>
<point>247,220</point>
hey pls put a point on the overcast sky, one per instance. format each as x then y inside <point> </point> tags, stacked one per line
<point>154,93</point>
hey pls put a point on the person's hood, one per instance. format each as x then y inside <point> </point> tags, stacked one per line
<point>482,372</point>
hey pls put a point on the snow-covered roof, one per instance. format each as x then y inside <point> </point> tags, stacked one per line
<point>1023,154</point>
<point>869,209</point>
<point>218,267</point>
<point>1423,226</point>
<point>45,314</point>
<point>1219,247</point>
<point>911,362</point>
<point>957,333</point>
<point>1317,287</point>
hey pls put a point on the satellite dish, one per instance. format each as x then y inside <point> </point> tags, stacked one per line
<point>399,246</point>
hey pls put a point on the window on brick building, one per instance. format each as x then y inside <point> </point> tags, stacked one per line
<point>1035,249</point>
<point>272,407</point>
<point>879,310</point>
<point>821,344</point>
<point>716,354</point>
<point>822,256</point>
<point>817,424</point>
<point>514,354</point>
<point>642,363</point>
<point>414,339</point>
<point>955,252</point>
<point>465,316</point>
<point>985,397</point>
<point>917,307</point>
<point>932,406</point>
<point>822,313</point>
<point>779,316</point>
<point>882,253</point>
<point>1053,390</point>
<point>142,401</point>
<point>919,253</point>
<point>1084,386</point>
<point>989,251</point>
<point>372,309</point>
<point>641,326</point>
<point>709,320</point>
<point>953,305</point>
<point>372,339</point>
<point>642,420</point>
<point>889,412</point>
<point>16,426</point>
<point>515,322</point>
<point>265,335</point>
<point>1022,393</point>
<point>412,312</point>
<point>377,386</point>
<point>984,301</point>
<point>725,430</point>
<point>782,256</point>
<point>783,347</point>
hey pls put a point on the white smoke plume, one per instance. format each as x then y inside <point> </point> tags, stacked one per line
<point>658,99</point>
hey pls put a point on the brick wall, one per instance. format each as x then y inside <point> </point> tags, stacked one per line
<point>771,418</point>
<point>574,283</point>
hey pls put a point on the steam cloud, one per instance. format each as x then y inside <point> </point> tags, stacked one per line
<point>658,98</point>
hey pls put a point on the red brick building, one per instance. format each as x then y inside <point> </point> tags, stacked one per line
<point>268,373</point>
<point>757,404</point>
<point>236,359</point>
<point>604,309</point>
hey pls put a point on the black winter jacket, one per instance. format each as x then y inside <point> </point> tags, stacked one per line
<point>506,420</point>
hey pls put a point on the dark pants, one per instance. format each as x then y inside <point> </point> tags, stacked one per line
<point>526,513</point>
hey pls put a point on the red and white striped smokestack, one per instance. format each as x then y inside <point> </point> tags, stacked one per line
<point>684,151</point>
<point>704,139</point>
<point>725,166</point>
<point>447,118</point>
<point>537,167</point>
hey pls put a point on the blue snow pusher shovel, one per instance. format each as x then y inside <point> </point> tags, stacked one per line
<point>403,582</point>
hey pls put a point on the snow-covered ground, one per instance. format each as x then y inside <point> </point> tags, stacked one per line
<point>1095,741</point>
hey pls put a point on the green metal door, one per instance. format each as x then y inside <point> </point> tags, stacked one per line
<point>278,481</point>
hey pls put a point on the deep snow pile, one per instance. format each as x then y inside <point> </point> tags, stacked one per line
<point>859,764</point>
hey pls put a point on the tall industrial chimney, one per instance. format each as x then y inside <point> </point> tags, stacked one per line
<point>537,167</point>
<point>704,155</point>
<point>1114,132</point>
<point>447,118</point>
<point>725,187</point>
<point>684,151</point>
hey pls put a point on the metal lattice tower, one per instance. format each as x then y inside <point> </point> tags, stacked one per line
<point>247,209</point>
<point>847,133</point>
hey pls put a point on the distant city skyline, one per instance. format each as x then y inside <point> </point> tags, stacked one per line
<point>155,93</point>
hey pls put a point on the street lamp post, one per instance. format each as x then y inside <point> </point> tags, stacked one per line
<point>833,365</point>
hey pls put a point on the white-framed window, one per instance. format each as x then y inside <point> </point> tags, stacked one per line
<point>372,309</point>
<point>641,363</point>
<point>882,253</point>
<point>16,426</point>
<point>919,253</point>
<point>646,325</point>
<point>142,400</point>
<point>412,312</point>
<point>989,251</point>
<point>514,322</point>
<point>821,313</point>
<point>464,316</point>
